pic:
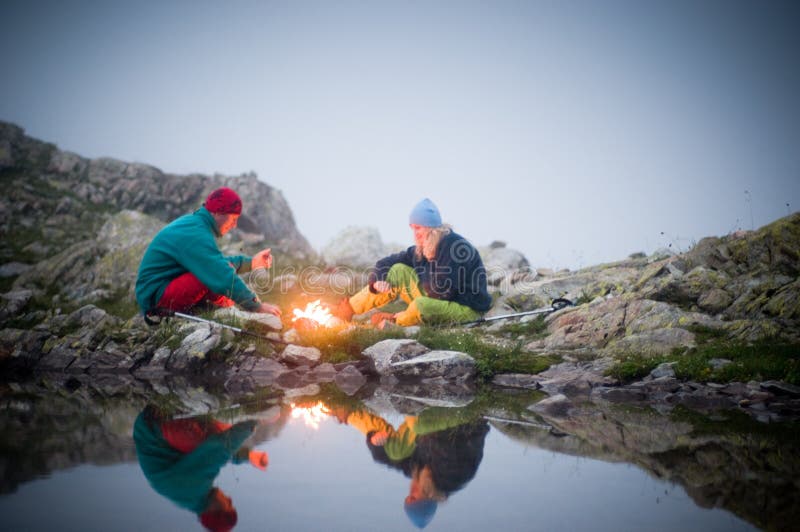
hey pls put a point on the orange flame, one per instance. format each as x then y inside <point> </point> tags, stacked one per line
<point>312,415</point>
<point>314,311</point>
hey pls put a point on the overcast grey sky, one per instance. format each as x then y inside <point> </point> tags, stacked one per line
<point>577,132</point>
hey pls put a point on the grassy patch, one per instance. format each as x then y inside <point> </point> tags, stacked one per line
<point>119,304</point>
<point>338,346</point>
<point>490,358</point>
<point>633,366</point>
<point>766,360</point>
<point>536,328</point>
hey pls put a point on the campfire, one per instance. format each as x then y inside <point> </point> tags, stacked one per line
<point>312,415</point>
<point>314,316</point>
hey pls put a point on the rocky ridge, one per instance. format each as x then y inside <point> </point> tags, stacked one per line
<point>744,286</point>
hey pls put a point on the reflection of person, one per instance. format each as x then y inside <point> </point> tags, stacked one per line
<point>440,464</point>
<point>439,450</point>
<point>183,266</point>
<point>441,277</point>
<point>181,458</point>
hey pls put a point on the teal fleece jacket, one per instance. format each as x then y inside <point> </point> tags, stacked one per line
<point>188,245</point>
<point>186,479</point>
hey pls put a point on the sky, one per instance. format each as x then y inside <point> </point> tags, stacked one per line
<point>577,132</point>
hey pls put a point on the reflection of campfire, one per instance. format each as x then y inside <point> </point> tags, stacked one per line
<point>312,415</point>
<point>314,315</point>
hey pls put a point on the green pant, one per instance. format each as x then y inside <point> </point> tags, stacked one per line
<point>421,308</point>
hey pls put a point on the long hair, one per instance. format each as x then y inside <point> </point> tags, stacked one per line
<point>431,241</point>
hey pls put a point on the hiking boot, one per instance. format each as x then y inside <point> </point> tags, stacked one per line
<point>343,310</point>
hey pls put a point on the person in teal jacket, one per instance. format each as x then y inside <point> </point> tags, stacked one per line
<point>181,458</point>
<point>183,266</point>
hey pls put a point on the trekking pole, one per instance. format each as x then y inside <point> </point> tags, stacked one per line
<point>229,327</point>
<point>557,304</point>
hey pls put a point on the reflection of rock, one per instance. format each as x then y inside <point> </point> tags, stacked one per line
<point>350,380</point>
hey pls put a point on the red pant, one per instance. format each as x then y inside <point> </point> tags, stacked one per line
<point>186,291</point>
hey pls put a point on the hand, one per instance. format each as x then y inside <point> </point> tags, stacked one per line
<point>381,286</point>
<point>379,317</point>
<point>266,308</point>
<point>262,259</point>
<point>379,438</point>
<point>259,459</point>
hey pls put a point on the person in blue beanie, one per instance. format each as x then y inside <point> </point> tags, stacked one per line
<point>441,277</point>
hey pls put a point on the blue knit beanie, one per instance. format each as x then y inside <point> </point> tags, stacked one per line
<point>421,512</point>
<point>425,214</point>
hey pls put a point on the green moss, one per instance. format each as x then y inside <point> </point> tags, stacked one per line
<point>704,334</point>
<point>490,358</point>
<point>631,367</point>
<point>536,328</point>
<point>765,360</point>
<point>119,304</point>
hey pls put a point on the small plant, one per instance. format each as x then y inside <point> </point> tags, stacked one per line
<point>765,360</point>
<point>634,366</point>
<point>490,358</point>
<point>536,328</point>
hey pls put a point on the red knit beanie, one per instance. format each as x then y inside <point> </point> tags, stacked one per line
<point>224,201</point>
<point>219,520</point>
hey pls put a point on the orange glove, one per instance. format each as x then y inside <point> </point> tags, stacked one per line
<point>262,259</point>
<point>259,459</point>
<point>378,317</point>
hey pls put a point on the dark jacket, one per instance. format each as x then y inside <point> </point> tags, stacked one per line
<point>455,274</point>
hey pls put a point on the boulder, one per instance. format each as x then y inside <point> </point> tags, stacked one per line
<point>300,356</point>
<point>387,352</point>
<point>247,320</point>
<point>358,247</point>
<point>449,365</point>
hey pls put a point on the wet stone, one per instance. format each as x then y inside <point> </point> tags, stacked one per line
<point>781,388</point>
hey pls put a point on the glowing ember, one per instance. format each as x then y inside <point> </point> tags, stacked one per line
<point>315,312</point>
<point>312,415</point>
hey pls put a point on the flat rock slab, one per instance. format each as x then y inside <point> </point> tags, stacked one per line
<point>449,365</point>
<point>388,352</point>
<point>300,356</point>
<point>243,318</point>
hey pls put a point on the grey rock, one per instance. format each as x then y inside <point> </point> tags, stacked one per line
<point>355,246</point>
<point>242,318</point>
<point>666,369</point>
<point>450,365</point>
<point>350,380</point>
<point>15,301</point>
<point>517,380</point>
<point>715,300</point>
<point>387,352</point>
<point>620,395</point>
<point>781,388</point>
<point>719,363</point>
<point>323,373</point>
<point>298,355</point>
<point>666,383</point>
<point>12,269</point>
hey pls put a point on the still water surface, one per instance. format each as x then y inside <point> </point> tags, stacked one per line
<point>335,471</point>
